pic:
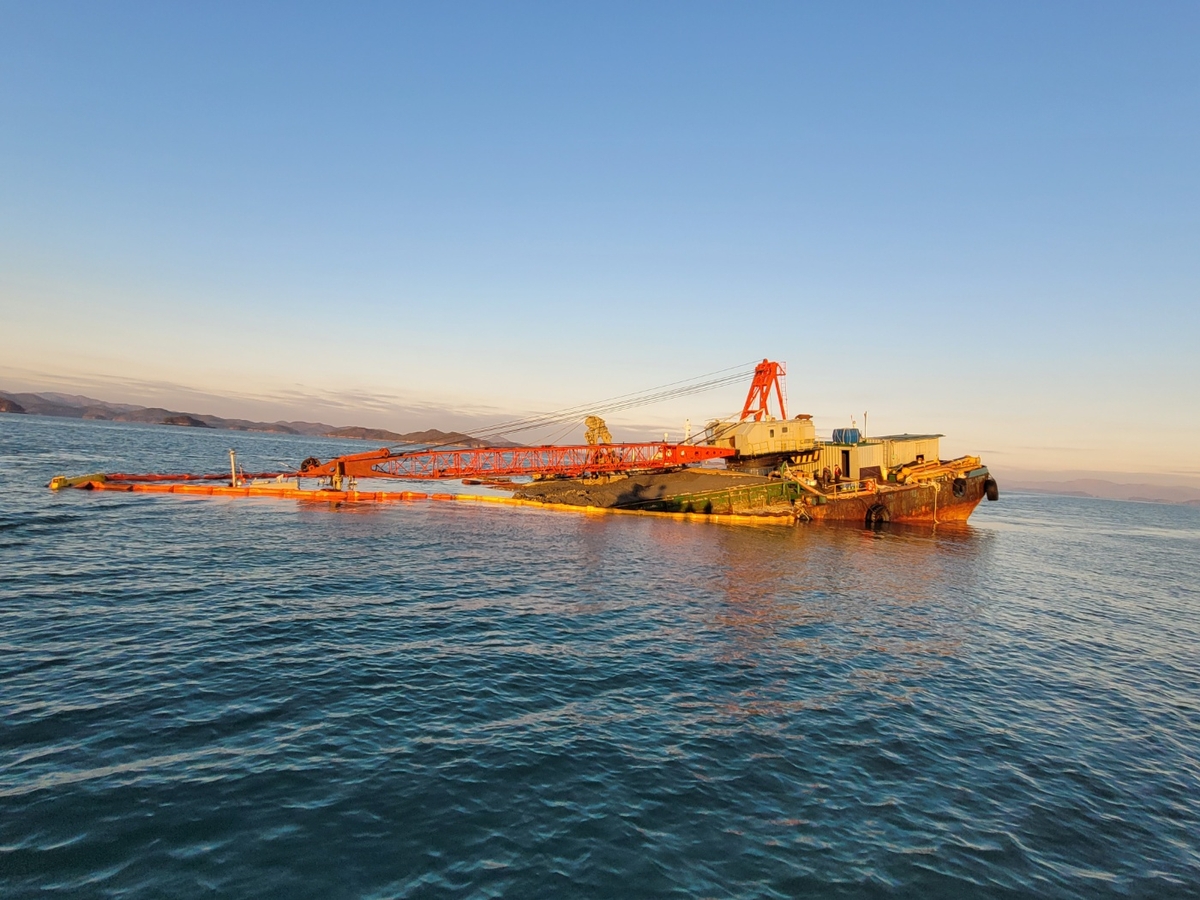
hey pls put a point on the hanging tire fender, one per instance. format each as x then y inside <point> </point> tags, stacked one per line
<point>877,516</point>
<point>991,490</point>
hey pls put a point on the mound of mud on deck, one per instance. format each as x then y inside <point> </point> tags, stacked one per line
<point>635,490</point>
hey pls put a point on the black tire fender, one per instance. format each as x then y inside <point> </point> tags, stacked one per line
<point>877,516</point>
<point>991,490</point>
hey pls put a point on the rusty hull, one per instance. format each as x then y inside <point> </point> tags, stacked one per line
<point>930,501</point>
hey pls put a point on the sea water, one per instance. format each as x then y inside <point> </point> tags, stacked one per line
<point>252,697</point>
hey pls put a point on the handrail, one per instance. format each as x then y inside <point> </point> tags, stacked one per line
<point>865,486</point>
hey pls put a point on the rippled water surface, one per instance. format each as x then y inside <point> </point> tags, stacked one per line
<point>262,698</point>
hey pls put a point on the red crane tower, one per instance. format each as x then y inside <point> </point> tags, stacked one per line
<point>767,375</point>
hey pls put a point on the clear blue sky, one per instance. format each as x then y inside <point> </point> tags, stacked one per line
<point>980,219</point>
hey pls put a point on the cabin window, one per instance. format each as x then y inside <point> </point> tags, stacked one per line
<point>785,429</point>
<point>772,432</point>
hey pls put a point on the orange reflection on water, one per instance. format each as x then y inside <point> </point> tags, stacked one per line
<point>852,611</point>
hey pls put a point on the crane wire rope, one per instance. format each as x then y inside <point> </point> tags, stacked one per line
<point>670,391</point>
<point>621,402</point>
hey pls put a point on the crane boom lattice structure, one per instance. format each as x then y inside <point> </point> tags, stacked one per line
<point>562,460</point>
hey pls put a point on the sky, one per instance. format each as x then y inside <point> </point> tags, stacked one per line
<point>981,220</point>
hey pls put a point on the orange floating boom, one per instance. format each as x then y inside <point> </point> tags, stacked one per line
<point>188,476</point>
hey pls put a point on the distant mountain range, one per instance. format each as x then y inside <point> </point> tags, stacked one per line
<point>73,406</point>
<point>1111,490</point>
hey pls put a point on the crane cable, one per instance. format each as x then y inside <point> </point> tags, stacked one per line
<point>686,387</point>
<point>621,402</point>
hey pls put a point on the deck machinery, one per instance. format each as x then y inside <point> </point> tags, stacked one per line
<point>761,442</point>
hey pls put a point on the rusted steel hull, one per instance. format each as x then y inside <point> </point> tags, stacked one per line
<point>951,500</point>
<point>949,497</point>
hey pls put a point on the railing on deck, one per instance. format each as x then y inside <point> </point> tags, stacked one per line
<point>842,488</point>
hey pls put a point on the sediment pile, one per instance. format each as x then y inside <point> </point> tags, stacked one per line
<point>634,490</point>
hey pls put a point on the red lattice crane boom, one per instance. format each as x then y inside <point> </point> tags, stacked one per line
<point>569,461</point>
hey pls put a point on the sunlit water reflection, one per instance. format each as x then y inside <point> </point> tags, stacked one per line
<point>257,697</point>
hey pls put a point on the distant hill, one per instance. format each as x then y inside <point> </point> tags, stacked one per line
<point>74,406</point>
<point>1111,490</point>
<point>185,421</point>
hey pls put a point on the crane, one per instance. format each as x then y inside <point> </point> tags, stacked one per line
<point>599,456</point>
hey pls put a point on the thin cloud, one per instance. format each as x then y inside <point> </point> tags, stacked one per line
<point>340,408</point>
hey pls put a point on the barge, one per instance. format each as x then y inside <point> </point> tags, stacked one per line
<point>776,465</point>
<point>771,466</point>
